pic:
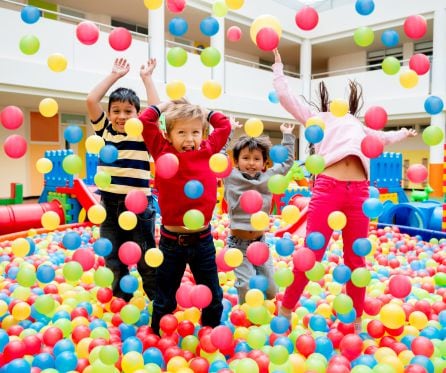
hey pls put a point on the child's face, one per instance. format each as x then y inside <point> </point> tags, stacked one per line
<point>119,113</point>
<point>250,162</point>
<point>186,135</point>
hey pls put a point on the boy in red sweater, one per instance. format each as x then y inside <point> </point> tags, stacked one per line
<point>185,125</point>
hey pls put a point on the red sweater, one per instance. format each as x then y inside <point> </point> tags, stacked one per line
<point>193,165</point>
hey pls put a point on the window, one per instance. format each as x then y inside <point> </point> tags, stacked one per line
<point>425,47</point>
<point>70,15</point>
<point>130,26</point>
<point>374,58</point>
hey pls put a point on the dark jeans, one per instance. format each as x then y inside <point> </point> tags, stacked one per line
<point>143,234</point>
<point>198,251</point>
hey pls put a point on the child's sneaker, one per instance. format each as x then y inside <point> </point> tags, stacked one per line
<point>285,312</point>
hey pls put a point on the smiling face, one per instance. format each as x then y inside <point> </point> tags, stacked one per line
<point>250,161</point>
<point>186,135</point>
<point>119,113</point>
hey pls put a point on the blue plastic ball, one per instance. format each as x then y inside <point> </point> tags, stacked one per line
<point>193,189</point>
<point>373,192</point>
<point>341,273</point>
<point>128,284</point>
<point>45,273</point>
<point>66,361</point>
<point>315,241</point>
<point>209,26</point>
<point>284,247</point>
<point>217,365</point>
<point>17,365</point>
<point>132,344</point>
<point>390,38</point>
<point>424,361</point>
<point>153,355</point>
<point>366,359</point>
<point>63,345</point>
<point>372,208</point>
<point>314,134</point>
<point>278,153</point>
<point>433,105</point>
<point>347,318</point>
<point>362,246</point>
<point>73,134</point>
<point>324,346</point>
<point>285,342</point>
<point>108,154</point>
<point>71,240</point>
<point>364,7</point>
<point>30,14</point>
<point>102,247</point>
<point>318,323</point>
<point>258,282</point>
<point>272,97</point>
<point>279,324</point>
<point>178,26</point>
<point>43,361</point>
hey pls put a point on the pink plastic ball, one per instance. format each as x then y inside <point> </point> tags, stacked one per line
<point>87,32</point>
<point>257,253</point>
<point>351,346</point>
<point>419,63</point>
<point>417,173</point>
<point>166,166</point>
<point>400,286</point>
<point>183,296</point>
<point>415,26</point>
<point>304,259</point>
<point>15,146</point>
<point>267,39</point>
<point>136,201</point>
<point>176,6</point>
<point>375,118</point>
<point>120,39</point>
<point>372,146</point>
<point>201,296</point>
<point>85,257</point>
<point>234,33</point>
<point>129,253</point>
<point>221,337</point>
<point>11,117</point>
<point>306,18</point>
<point>251,201</point>
<point>422,346</point>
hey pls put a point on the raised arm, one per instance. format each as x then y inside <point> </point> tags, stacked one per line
<point>146,72</point>
<point>391,137</point>
<point>120,68</point>
<point>288,141</point>
<point>234,125</point>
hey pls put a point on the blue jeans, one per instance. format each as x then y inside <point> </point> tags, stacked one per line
<point>143,234</point>
<point>198,251</point>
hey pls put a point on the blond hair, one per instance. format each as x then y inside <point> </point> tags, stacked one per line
<point>183,110</point>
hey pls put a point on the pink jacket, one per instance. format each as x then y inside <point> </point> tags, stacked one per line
<point>342,135</point>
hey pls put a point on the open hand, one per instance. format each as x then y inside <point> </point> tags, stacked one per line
<point>146,69</point>
<point>277,58</point>
<point>287,127</point>
<point>412,133</point>
<point>234,122</point>
<point>120,67</point>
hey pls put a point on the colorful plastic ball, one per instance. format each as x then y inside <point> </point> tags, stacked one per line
<point>432,135</point>
<point>129,253</point>
<point>337,220</point>
<point>153,4</point>
<point>193,189</point>
<point>267,39</point>
<point>375,117</point>
<point>257,253</point>
<point>136,201</point>
<point>433,105</point>
<point>290,214</point>
<point>211,89</point>
<point>339,107</point>
<point>20,247</point>
<point>127,220</point>
<point>315,241</point>
<point>362,246</point>
<point>96,214</point>
<point>72,164</point>
<point>400,286</point>
<point>178,26</point>
<point>128,284</point>
<point>315,164</point>
<point>45,273</point>
<point>193,219</point>
<point>72,240</point>
<point>277,184</point>
<point>210,57</point>
<point>304,259</point>
<point>372,146</point>
<point>176,56</point>
<point>30,14</point>
<point>11,117</point>
<point>392,315</point>
<point>48,107</point>
<point>94,144</point>
<point>314,134</point>
<point>72,271</point>
<point>363,36</point>
<point>218,162</point>
<point>57,62</point>
<point>102,179</point>
<point>315,121</point>
<point>373,192</point>
<point>419,63</point>
<point>415,27</point>
<point>306,18</point>
<point>253,127</point>
<point>154,257</point>
<point>133,127</point>
<point>273,98</point>
<point>167,166</point>
<point>130,314</point>
<point>102,247</point>
<point>233,257</point>
<point>278,153</point>
<point>264,21</point>
<point>15,146</point>
<point>29,44</point>
<point>108,154</point>
<point>391,65</point>
<point>361,277</point>
<point>120,39</point>
<point>176,6</point>
<point>175,89</point>
<point>251,201</point>
<point>342,303</point>
<point>341,274</point>
<point>87,32</point>
<point>73,134</point>
<point>390,38</point>
<point>372,208</point>
<point>50,220</point>
<point>201,296</point>
<point>284,247</point>
<point>234,33</point>
<point>408,79</point>
<point>364,7</point>
<point>417,173</point>
<point>209,26</point>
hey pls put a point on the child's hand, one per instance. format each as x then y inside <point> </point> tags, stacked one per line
<point>146,70</point>
<point>120,67</point>
<point>287,127</point>
<point>412,133</point>
<point>162,106</point>
<point>234,123</point>
<point>277,58</point>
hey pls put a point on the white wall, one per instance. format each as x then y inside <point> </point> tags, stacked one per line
<point>345,61</point>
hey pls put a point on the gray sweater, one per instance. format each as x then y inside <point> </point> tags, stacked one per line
<point>237,183</point>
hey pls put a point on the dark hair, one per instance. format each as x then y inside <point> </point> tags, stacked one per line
<point>261,143</point>
<point>124,95</point>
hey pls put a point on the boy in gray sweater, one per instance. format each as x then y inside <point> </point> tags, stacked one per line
<point>249,173</point>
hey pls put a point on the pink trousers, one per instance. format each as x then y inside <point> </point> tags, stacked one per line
<point>330,195</point>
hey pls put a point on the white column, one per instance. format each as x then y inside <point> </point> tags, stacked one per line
<point>218,42</point>
<point>157,47</point>
<point>305,78</point>
<point>438,88</point>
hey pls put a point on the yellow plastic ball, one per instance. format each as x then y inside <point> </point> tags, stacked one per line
<point>133,127</point>
<point>50,220</point>
<point>418,320</point>
<point>20,247</point>
<point>57,62</point>
<point>260,221</point>
<point>192,314</point>
<point>48,107</point>
<point>127,220</point>
<point>21,311</point>
<point>315,121</point>
<point>339,107</point>
<point>153,4</point>
<point>154,257</point>
<point>211,89</point>
<point>44,165</point>
<point>290,214</point>
<point>218,162</point>
<point>254,298</point>
<point>233,257</point>
<point>264,21</point>
<point>234,4</point>
<point>392,316</point>
<point>175,89</point>
<point>219,8</point>
<point>337,220</point>
<point>96,214</point>
<point>253,127</point>
<point>408,79</point>
<point>94,144</point>
<point>176,363</point>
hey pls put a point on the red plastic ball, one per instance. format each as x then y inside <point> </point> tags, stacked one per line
<point>304,259</point>
<point>375,117</point>
<point>417,173</point>
<point>199,365</point>
<point>166,166</point>
<point>129,253</point>
<point>201,296</point>
<point>376,329</point>
<point>136,201</point>
<point>11,117</point>
<point>80,332</point>
<point>33,344</point>
<point>251,201</point>
<point>85,257</point>
<point>306,18</point>
<point>257,253</point>
<point>14,350</point>
<point>104,295</point>
<point>400,286</point>
<point>87,32</point>
<point>183,296</point>
<point>168,323</point>
<point>221,337</point>
<point>415,26</point>
<point>15,146</point>
<point>351,346</point>
<point>267,39</point>
<point>52,335</point>
<point>234,33</point>
<point>176,6</point>
<point>372,146</point>
<point>419,63</point>
<point>372,306</point>
<point>305,344</point>
<point>120,39</point>
<point>185,328</point>
<point>422,346</point>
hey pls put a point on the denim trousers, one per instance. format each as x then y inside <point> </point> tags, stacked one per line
<point>245,271</point>
<point>328,195</point>
<point>143,234</point>
<point>198,251</point>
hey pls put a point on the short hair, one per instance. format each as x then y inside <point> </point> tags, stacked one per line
<point>124,95</point>
<point>182,109</point>
<point>262,143</point>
